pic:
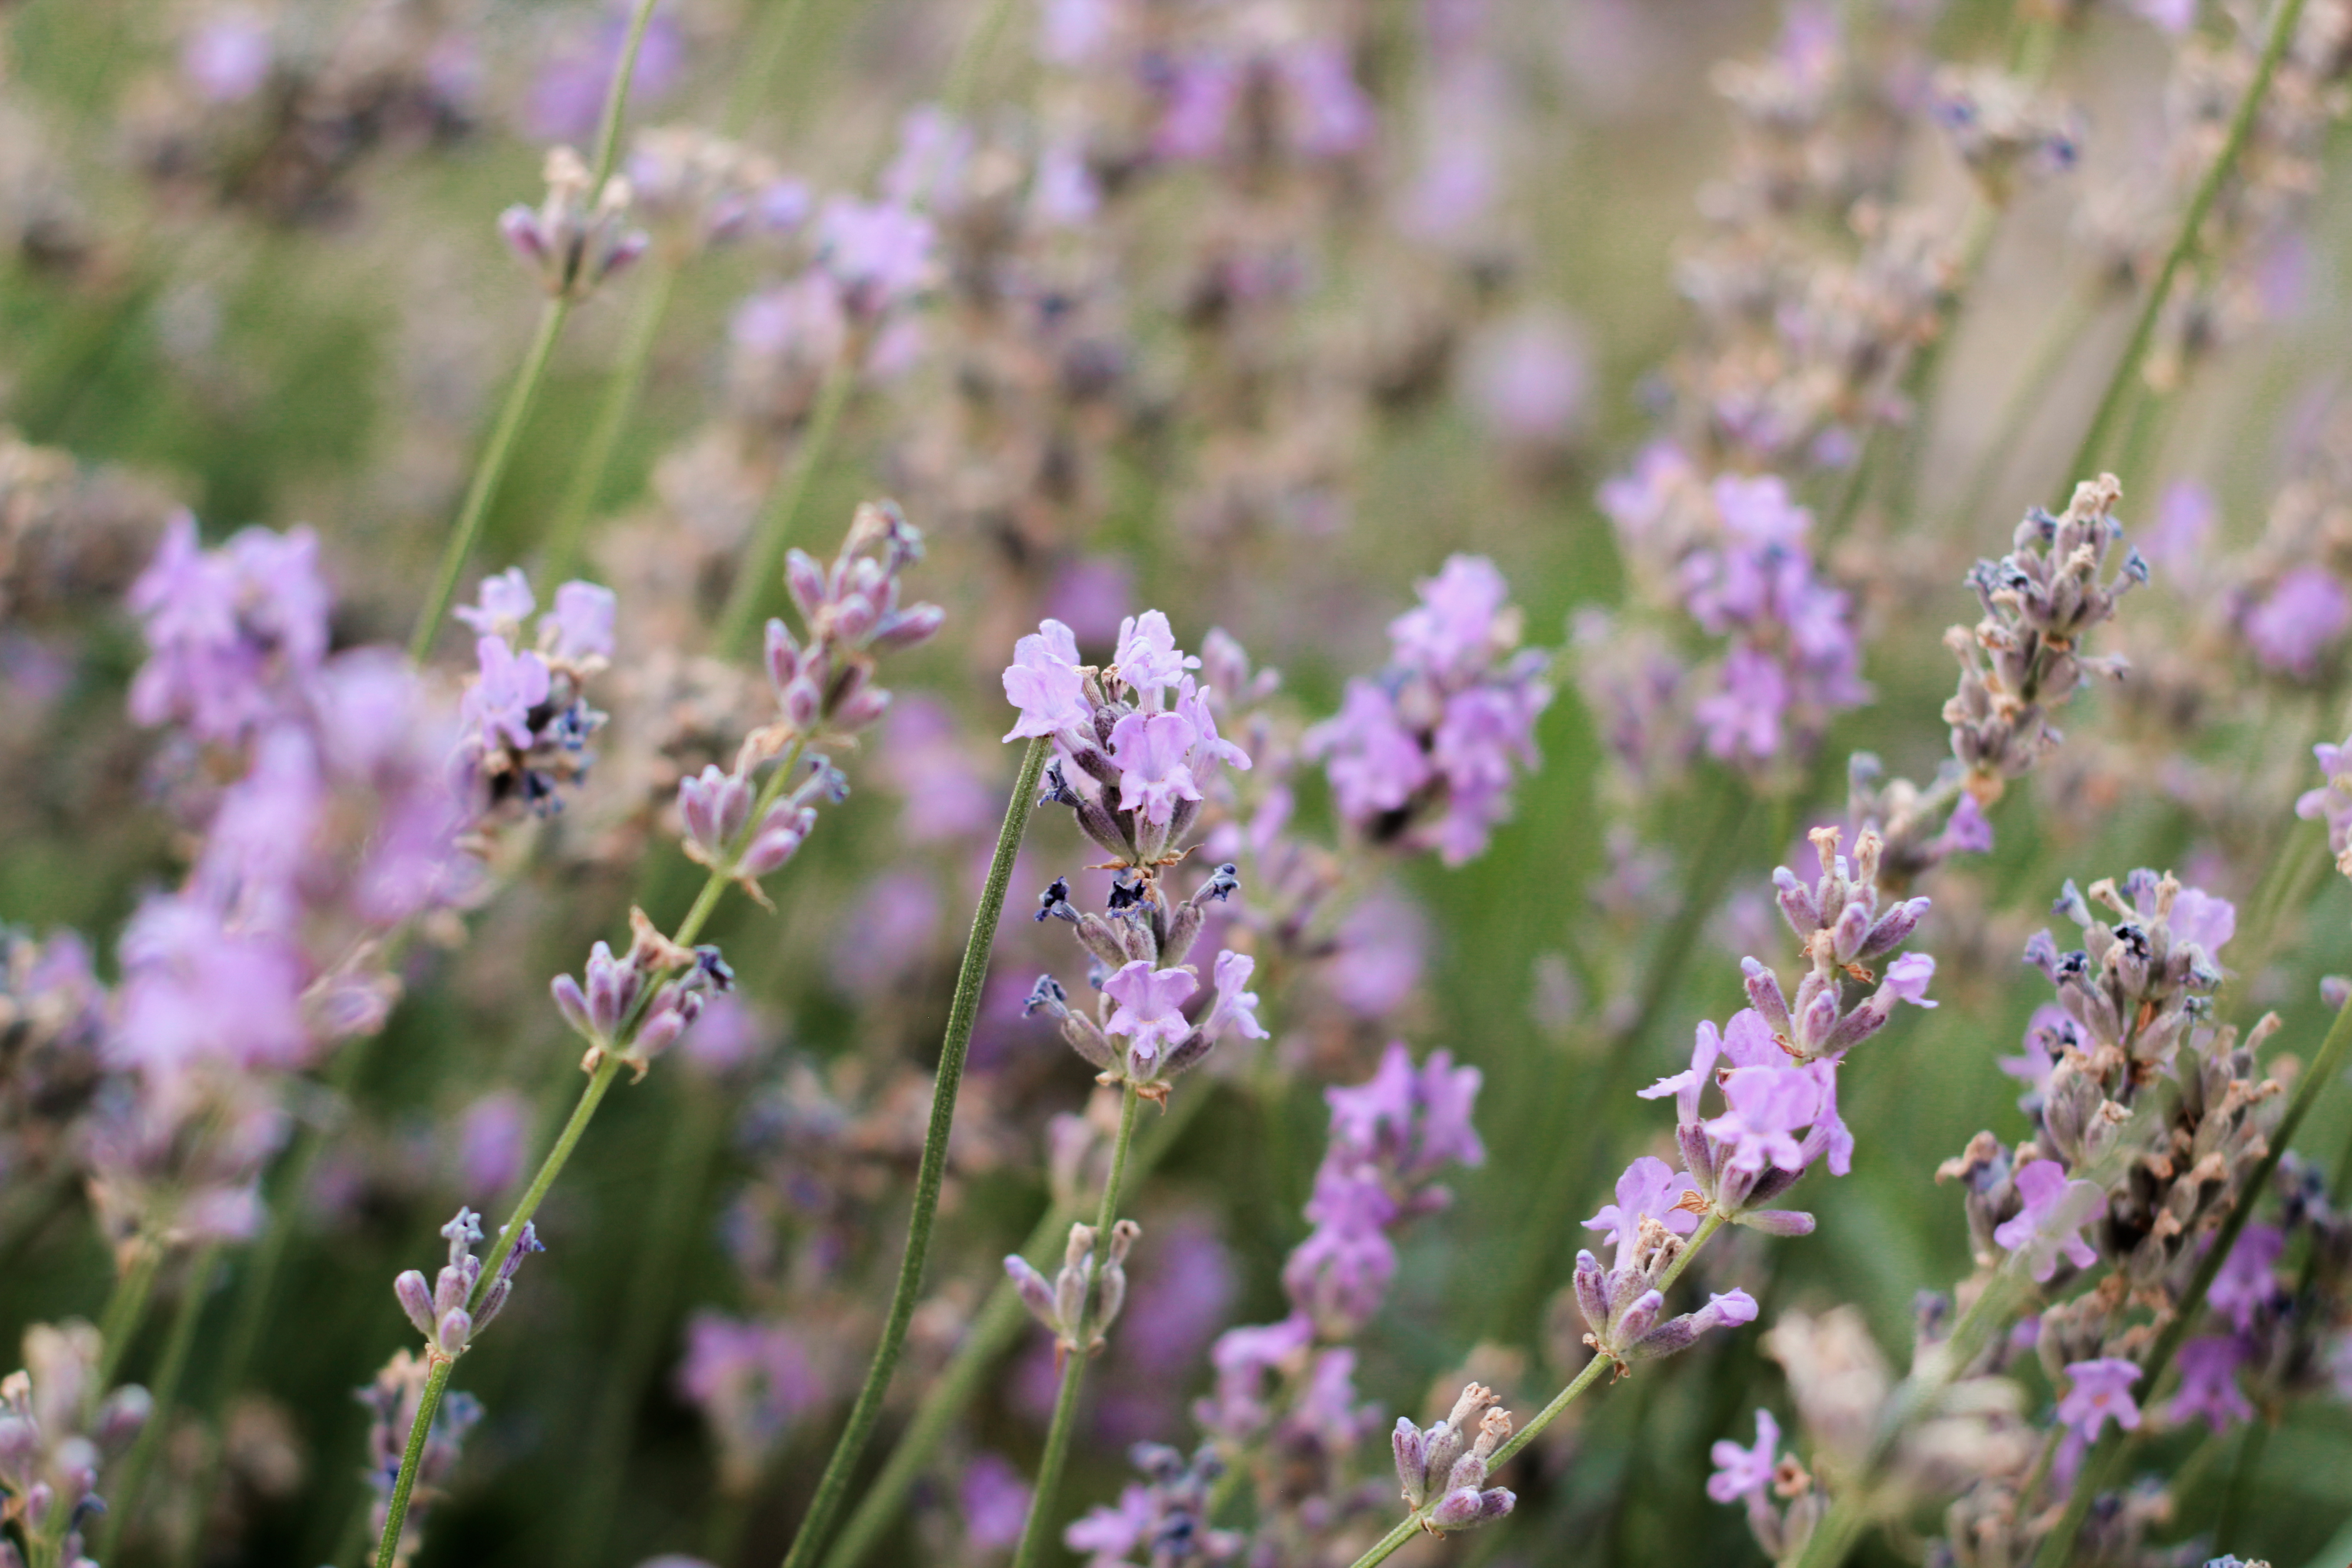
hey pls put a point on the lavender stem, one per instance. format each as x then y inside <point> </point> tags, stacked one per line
<point>1074,1368</point>
<point>962,1011</point>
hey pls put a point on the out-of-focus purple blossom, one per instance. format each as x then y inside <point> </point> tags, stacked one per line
<point>509,686</point>
<point>1378,955</point>
<point>994,1500</point>
<point>1424,754</point>
<point>195,991</point>
<point>493,1135</point>
<point>2246,1284</point>
<point>1411,1119</point>
<point>578,235</point>
<point>2051,1223</point>
<point>567,96</point>
<point>2047,1035</point>
<point>2099,1391</point>
<point>888,933</point>
<point>2175,541</point>
<point>1741,1473</point>
<point>2208,1383</point>
<point>2302,617</point>
<point>1091,596</point>
<point>580,628</point>
<point>882,254</point>
<point>1529,379</point>
<point>502,603</point>
<point>750,1380</point>
<point>233,635</point>
<point>947,797</point>
<point>927,169</point>
<point>2332,801</point>
<point>227,57</point>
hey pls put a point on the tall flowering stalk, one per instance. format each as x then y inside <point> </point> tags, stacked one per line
<point>744,823</point>
<point>573,241</point>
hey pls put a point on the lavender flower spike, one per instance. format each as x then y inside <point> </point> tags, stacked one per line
<point>1442,1472</point>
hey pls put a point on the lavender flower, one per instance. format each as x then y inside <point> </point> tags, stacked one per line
<point>234,634</point>
<point>576,237</point>
<point>1083,1299</point>
<point>2208,1383</point>
<point>1423,754</point>
<point>752,1381</point>
<point>1444,1469</point>
<point>444,1313</point>
<point>58,1426</point>
<point>2055,1210</point>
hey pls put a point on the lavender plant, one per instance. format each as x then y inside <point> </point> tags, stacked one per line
<point>1543,727</point>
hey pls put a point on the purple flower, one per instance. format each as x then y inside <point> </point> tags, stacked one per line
<point>1376,764</point>
<point>1148,659</point>
<point>2055,1211</point>
<point>2333,800</point>
<point>1150,1010</point>
<point>750,1380</point>
<point>1529,379</point>
<point>1043,683</point>
<point>1454,627</point>
<point>2304,615</point>
<point>2046,1035</point>
<point>1414,1119</point>
<point>2100,1389</point>
<point>1202,92</point>
<point>492,1135</point>
<point>1378,956</point>
<point>2197,916</point>
<point>1332,118</point>
<point>1768,1104</point>
<point>1111,1533</point>
<point>195,991</point>
<point>2245,1283</point>
<point>2184,519</point>
<point>1650,1189</point>
<point>2209,1382</point>
<point>568,95</point>
<point>582,626</point>
<point>1966,831</point>
<point>228,59</point>
<point>1907,979</point>
<point>880,253</point>
<point>995,1502</point>
<point>1759,512</point>
<point>1742,1473</point>
<point>233,633</point>
<point>1152,751</point>
<point>1742,717</point>
<point>1236,1009</point>
<point>1340,1273</point>
<point>503,602</point>
<point>497,705</point>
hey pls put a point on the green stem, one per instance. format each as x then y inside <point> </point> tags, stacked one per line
<point>616,98</point>
<point>2106,1461</point>
<point>1074,1365</point>
<point>122,1495</point>
<point>2242,124</point>
<point>486,475</point>
<point>776,30</point>
<point>964,69</point>
<point>125,1308</point>
<point>993,1334</point>
<point>774,530</point>
<point>963,1010</point>
<point>396,1518</point>
<point>567,533</point>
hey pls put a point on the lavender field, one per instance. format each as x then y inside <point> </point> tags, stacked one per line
<point>1175,783</point>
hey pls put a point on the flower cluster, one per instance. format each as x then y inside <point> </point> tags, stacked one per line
<point>456,1306</point>
<point>1734,555</point>
<point>527,719</point>
<point>1444,1469</point>
<point>1423,754</point>
<point>393,1401</point>
<point>2025,656</point>
<point>58,1429</point>
<point>634,1006</point>
<point>1163,1521</point>
<point>576,237</point>
<point>1085,1296</point>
